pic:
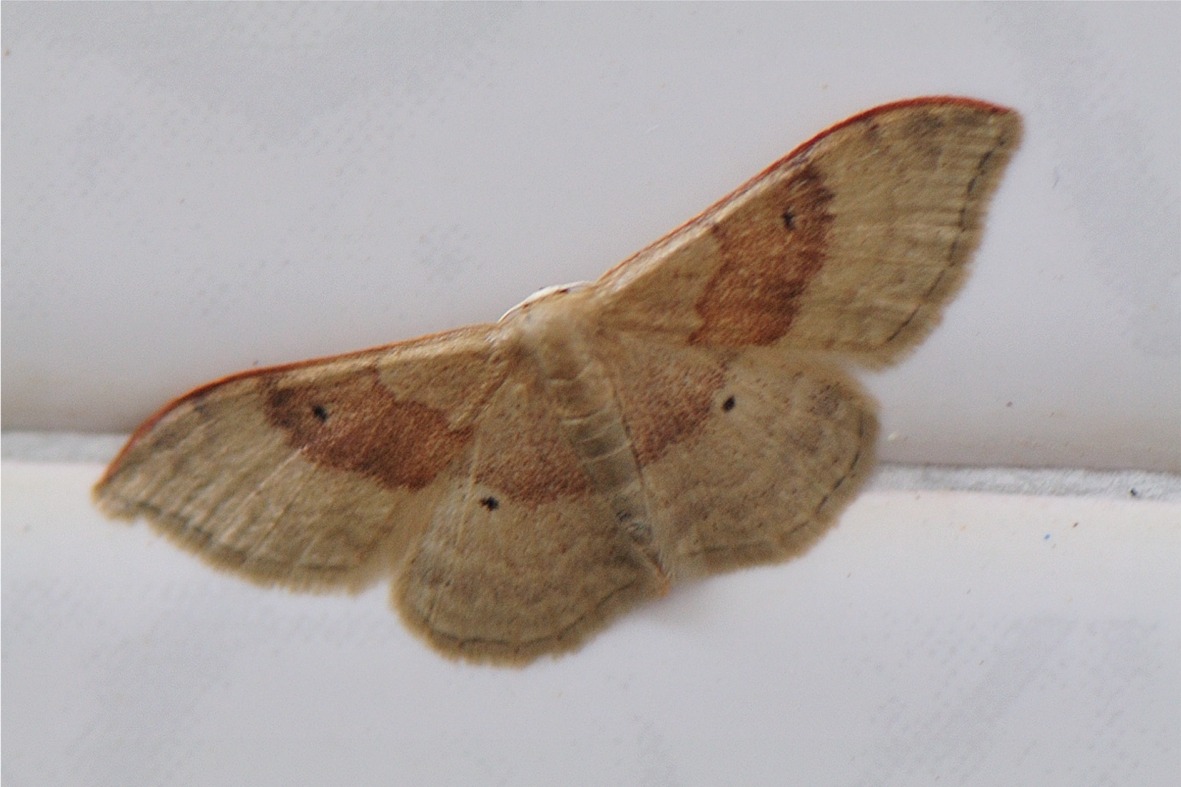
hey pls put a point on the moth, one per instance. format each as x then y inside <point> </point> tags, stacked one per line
<point>688,413</point>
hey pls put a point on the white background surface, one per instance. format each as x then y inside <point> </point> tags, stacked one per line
<point>193,189</point>
<point>190,190</point>
<point>931,638</point>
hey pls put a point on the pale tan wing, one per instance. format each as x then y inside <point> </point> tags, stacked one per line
<point>852,243</point>
<point>747,456</point>
<point>302,475</point>
<point>522,557</point>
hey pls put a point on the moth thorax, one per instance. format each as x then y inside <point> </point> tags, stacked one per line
<point>552,333</point>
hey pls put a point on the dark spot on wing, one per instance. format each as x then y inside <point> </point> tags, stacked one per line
<point>372,432</point>
<point>665,399</point>
<point>754,296</point>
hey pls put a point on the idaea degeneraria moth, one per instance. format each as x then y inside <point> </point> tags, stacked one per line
<point>523,482</point>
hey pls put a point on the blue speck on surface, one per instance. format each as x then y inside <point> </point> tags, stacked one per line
<point>1046,537</point>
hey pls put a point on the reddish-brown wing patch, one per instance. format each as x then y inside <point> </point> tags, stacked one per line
<point>354,423</point>
<point>665,394</point>
<point>771,247</point>
<point>521,450</point>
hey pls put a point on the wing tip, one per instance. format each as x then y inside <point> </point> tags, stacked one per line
<point>1007,131</point>
<point>107,503</point>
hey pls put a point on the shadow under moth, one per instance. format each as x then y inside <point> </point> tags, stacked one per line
<point>524,482</point>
